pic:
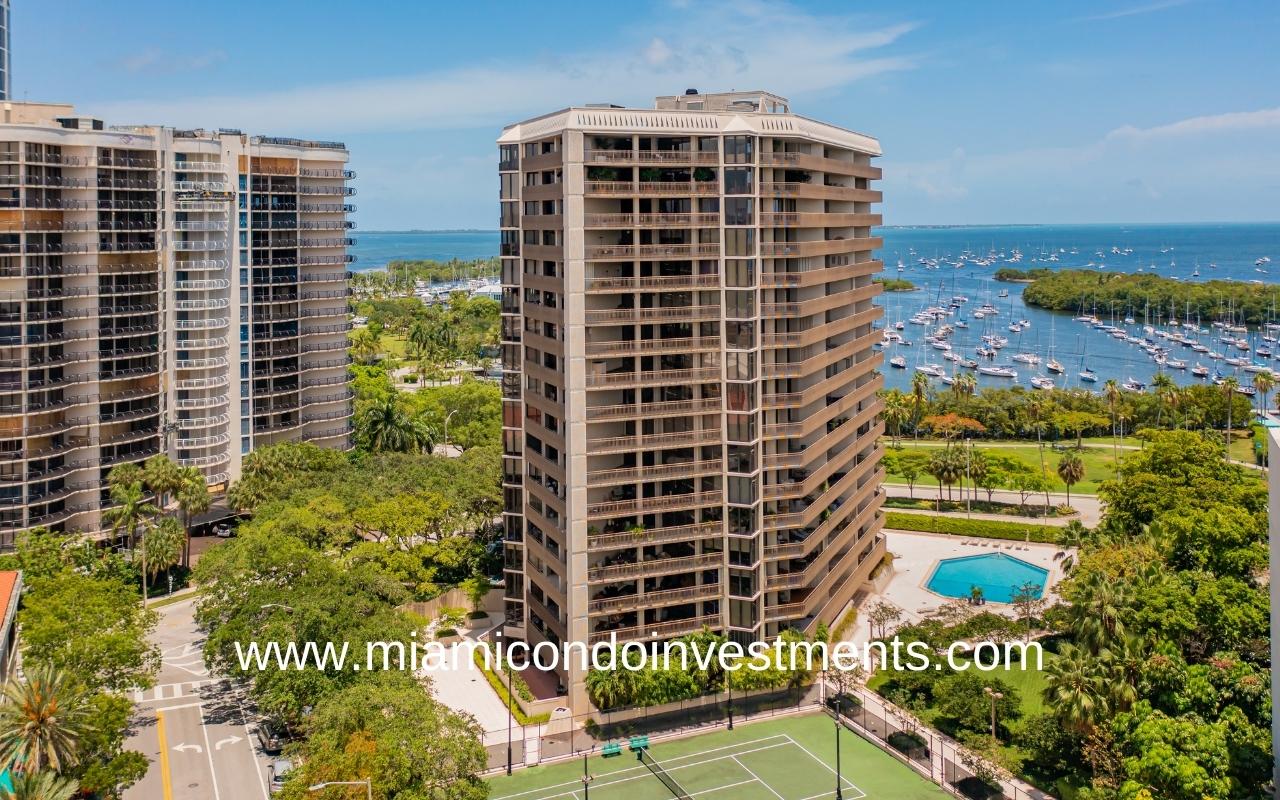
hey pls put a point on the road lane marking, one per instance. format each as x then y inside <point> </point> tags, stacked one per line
<point>165,786</point>
<point>253,748</point>
<point>208,751</point>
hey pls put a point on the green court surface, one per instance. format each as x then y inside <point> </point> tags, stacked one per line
<point>786,758</point>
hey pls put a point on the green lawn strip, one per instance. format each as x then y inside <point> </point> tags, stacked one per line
<point>1099,463</point>
<point>701,764</point>
<point>500,686</point>
<point>960,526</point>
<point>980,506</point>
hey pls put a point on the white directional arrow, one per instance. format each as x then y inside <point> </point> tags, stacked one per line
<point>184,747</point>
<point>228,740</point>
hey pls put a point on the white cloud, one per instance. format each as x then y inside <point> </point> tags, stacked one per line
<point>1197,126</point>
<point>159,61</point>
<point>1134,11</point>
<point>756,46</point>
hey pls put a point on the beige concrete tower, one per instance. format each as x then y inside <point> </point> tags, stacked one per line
<point>161,290</point>
<point>690,411</point>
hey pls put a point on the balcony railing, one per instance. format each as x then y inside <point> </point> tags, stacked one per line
<point>659,630</point>
<point>609,251</point>
<point>594,156</point>
<point>602,379</point>
<point>669,188</point>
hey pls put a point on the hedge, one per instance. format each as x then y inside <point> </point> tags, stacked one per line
<point>960,526</point>
<point>501,688</point>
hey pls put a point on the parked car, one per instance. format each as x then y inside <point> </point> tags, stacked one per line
<point>271,736</point>
<point>279,771</point>
<point>224,531</point>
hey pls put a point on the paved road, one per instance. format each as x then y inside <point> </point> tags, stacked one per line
<point>196,730</point>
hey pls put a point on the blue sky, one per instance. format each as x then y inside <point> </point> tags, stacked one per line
<point>1035,111</point>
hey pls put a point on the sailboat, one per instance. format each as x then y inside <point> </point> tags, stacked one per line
<point>1053,365</point>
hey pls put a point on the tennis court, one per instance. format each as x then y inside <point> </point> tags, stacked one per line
<point>788,758</point>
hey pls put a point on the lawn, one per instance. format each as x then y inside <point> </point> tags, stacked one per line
<point>784,758</point>
<point>1099,461</point>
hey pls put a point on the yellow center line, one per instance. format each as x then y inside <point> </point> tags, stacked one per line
<point>165,781</point>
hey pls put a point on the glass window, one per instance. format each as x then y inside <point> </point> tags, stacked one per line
<point>738,181</point>
<point>738,210</point>
<point>739,241</point>
<point>740,305</point>
<point>739,150</point>
<point>740,272</point>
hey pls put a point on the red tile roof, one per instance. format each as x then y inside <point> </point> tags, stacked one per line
<point>8,596</point>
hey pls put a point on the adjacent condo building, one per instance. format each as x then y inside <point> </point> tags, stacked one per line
<point>162,291</point>
<point>690,412</point>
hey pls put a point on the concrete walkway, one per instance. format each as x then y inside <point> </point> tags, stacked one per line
<point>1089,505</point>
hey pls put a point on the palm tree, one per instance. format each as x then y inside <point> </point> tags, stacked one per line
<point>1074,689</point>
<point>965,385</point>
<point>896,412</point>
<point>162,477</point>
<point>947,466</point>
<point>193,500</point>
<point>42,719</point>
<point>1263,383</point>
<point>162,547</point>
<point>40,786</point>
<point>1097,611</point>
<point>1163,385</point>
<point>1037,410</point>
<point>387,426</point>
<point>919,396</point>
<point>1070,470</point>
<point>1229,388</point>
<point>130,509</point>
<point>1111,393</point>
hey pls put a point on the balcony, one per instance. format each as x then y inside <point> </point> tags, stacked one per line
<point>819,247</point>
<point>818,191</point>
<point>662,282</point>
<point>653,567</point>
<point>637,346</point>
<point>654,314</point>
<point>820,163</point>
<point>651,220</point>
<point>665,157</point>
<point>677,533</point>
<point>681,469</point>
<point>651,378</point>
<point>661,409</point>
<point>669,502</point>
<point>665,597</point>
<point>658,630</point>
<point>771,219</point>
<point>606,252</point>
<point>655,188</point>
<point>613,444</point>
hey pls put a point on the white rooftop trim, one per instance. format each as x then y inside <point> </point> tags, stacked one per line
<point>606,120</point>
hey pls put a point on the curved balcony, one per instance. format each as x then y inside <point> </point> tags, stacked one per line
<point>212,323</point>
<point>190,384</point>
<point>201,186</point>
<point>205,461</point>
<point>191,423</point>
<point>213,284</point>
<point>212,401</point>
<point>327,434</point>
<point>210,304</point>
<point>215,342</point>
<point>200,363</point>
<point>199,245</point>
<point>203,264</point>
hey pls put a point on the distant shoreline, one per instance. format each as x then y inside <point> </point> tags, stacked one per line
<point>916,227</point>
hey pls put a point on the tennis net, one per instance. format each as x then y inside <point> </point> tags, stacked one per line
<point>661,774</point>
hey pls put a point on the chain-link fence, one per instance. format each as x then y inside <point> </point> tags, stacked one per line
<point>942,759</point>
<point>566,736</point>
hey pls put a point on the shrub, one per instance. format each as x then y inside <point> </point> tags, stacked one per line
<point>982,528</point>
<point>444,633</point>
<point>500,686</point>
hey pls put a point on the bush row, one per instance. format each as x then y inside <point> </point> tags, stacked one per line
<point>500,687</point>
<point>959,526</point>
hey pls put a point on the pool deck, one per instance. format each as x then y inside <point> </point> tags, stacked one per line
<point>916,554</point>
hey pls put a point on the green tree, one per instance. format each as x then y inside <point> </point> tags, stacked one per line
<point>965,704</point>
<point>388,728</point>
<point>919,400</point>
<point>1074,689</point>
<point>1263,383</point>
<point>477,588</point>
<point>162,547</point>
<point>42,718</point>
<point>387,426</point>
<point>193,500</point>
<point>90,629</point>
<point>1077,422</point>
<point>131,510</point>
<point>947,467</point>
<point>1071,471</point>
<point>162,477</point>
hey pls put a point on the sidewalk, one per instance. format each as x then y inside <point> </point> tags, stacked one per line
<point>1089,505</point>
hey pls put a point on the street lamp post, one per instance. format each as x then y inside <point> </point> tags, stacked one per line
<point>365,782</point>
<point>839,780</point>
<point>586,776</point>
<point>510,699</point>
<point>729,688</point>
<point>994,695</point>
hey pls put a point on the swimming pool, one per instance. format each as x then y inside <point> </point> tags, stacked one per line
<point>998,574</point>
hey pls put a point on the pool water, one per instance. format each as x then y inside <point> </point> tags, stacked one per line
<point>998,574</point>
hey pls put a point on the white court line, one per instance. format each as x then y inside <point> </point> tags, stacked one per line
<point>757,777</point>
<point>851,784</point>
<point>208,751</point>
<point>645,770</point>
